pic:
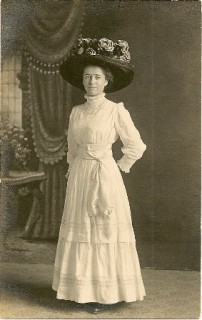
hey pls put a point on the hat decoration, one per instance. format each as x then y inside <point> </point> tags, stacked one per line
<point>91,47</point>
<point>101,52</point>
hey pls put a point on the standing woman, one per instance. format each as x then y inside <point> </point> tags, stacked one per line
<point>96,260</point>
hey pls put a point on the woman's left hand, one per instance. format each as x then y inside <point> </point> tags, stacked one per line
<point>67,175</point>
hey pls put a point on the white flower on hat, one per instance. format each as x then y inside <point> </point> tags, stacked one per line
<point>106,44</point>
<point>123,44</point>
<point>90,52</point>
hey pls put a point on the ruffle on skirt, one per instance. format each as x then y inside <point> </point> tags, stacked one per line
<point>104,273</point>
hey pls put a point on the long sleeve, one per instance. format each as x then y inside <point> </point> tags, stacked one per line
<point>72,145</point>
<point>133,146</point>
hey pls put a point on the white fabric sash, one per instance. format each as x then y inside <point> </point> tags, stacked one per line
<point>101,195</point>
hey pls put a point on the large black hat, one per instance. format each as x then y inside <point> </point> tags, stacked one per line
<point>105,53</point>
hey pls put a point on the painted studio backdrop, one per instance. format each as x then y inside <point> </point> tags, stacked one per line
<point>163,100</point>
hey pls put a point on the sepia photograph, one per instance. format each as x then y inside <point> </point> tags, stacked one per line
<point>100,129</point>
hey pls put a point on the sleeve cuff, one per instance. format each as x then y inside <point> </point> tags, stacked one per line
<point>125,163</point>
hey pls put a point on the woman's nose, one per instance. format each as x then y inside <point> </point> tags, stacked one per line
<point>91,80</point>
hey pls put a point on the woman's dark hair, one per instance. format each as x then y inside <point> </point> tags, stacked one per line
<point>107,72</point>
<point>109,76</point>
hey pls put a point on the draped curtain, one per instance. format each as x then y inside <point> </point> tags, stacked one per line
<point>53,30</point>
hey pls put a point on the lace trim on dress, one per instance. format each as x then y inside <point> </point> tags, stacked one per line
<point>69,224</point>
<point>95,100</point>
<point>94,104</point>
<point>68,279</point>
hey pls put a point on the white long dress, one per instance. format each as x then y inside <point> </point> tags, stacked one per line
<point>96,258</point>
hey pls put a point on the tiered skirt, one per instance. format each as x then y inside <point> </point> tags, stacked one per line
<point>93,265</point>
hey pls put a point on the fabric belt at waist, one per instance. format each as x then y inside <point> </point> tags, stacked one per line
<point>97,152</point>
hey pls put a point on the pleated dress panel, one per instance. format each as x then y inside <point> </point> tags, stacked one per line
<point>96,258</point>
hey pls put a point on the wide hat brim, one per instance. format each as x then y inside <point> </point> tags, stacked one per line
<point>72,70</point>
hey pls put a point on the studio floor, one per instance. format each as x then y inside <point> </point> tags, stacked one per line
<point>26,277</point>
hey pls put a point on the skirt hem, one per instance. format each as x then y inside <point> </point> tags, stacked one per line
<point>97,300</point>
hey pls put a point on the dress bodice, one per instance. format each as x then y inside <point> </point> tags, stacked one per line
<point>102,122</point>
<point>94,124</point>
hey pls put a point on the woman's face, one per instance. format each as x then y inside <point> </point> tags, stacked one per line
<point>94,80</point>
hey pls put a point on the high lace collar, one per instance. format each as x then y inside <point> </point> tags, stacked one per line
<point>94,101</point>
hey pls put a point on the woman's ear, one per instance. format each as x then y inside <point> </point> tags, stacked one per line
<point>106,82</point>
